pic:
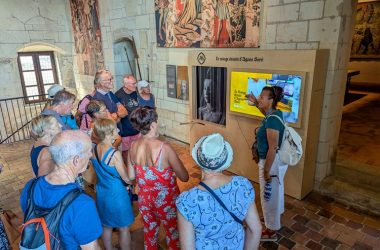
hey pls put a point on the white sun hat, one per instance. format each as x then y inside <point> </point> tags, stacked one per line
<point>213,153</point>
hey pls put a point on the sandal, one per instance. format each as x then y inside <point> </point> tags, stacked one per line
<point>267,235</point>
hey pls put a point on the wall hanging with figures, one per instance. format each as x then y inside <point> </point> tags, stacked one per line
<point>207,23</point>
<point>87,36</point>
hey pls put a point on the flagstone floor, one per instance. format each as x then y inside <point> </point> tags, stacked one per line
<point>317,222</point>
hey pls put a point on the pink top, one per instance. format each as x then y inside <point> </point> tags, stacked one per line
<point>82,108</point>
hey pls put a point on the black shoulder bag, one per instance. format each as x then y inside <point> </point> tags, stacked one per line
<point>220,202</point>
<point>255,149</point>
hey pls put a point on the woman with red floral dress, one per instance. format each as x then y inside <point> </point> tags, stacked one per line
<point>155,165</point>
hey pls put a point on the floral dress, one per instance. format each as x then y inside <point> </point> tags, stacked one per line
<point>158,191</point>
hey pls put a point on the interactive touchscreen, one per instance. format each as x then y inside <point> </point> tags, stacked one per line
<point>244,83</point>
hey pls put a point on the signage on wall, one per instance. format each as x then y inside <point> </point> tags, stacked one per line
<point>171,81</point>
<point>240,59</point>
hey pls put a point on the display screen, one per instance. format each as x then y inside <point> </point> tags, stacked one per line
<point>211,94</point>
<point>244,83</point>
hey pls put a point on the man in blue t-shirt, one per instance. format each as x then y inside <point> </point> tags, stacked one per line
<point>80,225</point>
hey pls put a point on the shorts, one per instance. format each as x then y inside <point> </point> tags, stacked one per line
<point>127,141</point>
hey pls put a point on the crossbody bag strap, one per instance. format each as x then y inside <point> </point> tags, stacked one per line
<point>220,202</point>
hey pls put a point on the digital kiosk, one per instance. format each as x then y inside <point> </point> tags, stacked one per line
<point>220,81</point>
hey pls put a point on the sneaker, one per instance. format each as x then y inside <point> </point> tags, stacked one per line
<point>267,235</point>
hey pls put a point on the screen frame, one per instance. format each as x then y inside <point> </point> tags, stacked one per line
<point>303,74</point>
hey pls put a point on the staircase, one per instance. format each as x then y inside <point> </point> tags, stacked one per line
<point>356,179</point>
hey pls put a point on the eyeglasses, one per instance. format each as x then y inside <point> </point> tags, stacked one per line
<point>108,80</point>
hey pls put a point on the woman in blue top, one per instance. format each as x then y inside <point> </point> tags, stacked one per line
<point>144,97</point>
<point>203,222</point>
<point>271,169</point>
<point>112,198</point>
<point>43,129</point>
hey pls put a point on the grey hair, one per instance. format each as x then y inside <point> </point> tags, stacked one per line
<point>62,96</point>
<point>63,152</point>
<point>98,76</point>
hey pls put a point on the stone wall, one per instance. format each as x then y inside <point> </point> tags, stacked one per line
<point>29,26</point>
<point>127,19</point>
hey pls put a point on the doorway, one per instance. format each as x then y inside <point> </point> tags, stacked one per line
<point>124,58</point>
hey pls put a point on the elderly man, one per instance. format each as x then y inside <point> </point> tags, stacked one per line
<point>61,106</point>
<point>79,224</point>
<point>104,85</point>
<point>128,97</point>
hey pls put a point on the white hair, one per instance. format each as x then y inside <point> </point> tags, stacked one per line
<point>63,152</point>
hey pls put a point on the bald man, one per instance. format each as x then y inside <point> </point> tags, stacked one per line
<point>79,225</point>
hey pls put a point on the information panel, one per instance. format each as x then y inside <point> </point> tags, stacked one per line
<point>244,83</point>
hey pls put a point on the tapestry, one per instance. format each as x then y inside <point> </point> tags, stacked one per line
<point>366,35</point>
<point>207,23</point>
<point>87,36</point>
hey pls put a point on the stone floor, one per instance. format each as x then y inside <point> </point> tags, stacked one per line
<point>317,222</point>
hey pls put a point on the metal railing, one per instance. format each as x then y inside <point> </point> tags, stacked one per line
<point>16,114</point>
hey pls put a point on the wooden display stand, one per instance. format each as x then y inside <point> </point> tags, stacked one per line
<point>239,129</point>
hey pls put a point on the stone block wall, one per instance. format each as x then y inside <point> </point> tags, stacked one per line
<point>136,19</point>
<point>34,25</point>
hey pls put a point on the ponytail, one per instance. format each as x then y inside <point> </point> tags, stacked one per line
<point>276,93</point>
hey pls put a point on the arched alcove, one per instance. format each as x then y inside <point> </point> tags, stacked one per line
<point>124,58</point>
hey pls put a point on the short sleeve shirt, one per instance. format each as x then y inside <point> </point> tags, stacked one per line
<point>80,222</point>
<point>130,102</point>
<point>214,227</point>
<point>270,122</point>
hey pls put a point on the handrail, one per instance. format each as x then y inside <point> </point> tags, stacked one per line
<point>16,115</point>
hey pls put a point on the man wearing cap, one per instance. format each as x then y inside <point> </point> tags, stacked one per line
<point>221,203</point>
<point>127,95</point>
<point>61,107</point>
<point>67,119</point>
<point>104,85</point>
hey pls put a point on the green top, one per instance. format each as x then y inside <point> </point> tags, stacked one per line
<point>262,140</point>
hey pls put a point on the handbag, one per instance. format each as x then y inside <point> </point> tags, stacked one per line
<point>220,202</point>
<point>9,221</point>
<point>255,149</point>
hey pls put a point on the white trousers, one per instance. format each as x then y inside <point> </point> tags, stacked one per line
<point>273,208</point>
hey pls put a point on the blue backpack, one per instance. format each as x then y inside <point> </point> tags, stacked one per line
<point>40,229</point>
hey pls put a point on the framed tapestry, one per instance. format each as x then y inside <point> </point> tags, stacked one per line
<point>366,35</point>
<point>207,23</point>
<point>87,36</point>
